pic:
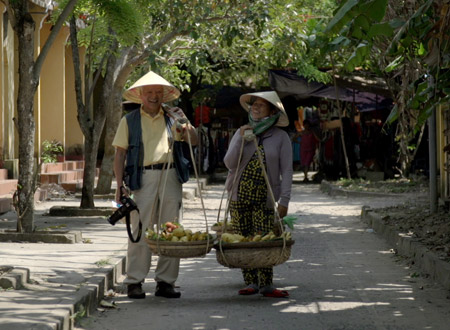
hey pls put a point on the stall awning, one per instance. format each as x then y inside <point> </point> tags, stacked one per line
<point>289,83</point>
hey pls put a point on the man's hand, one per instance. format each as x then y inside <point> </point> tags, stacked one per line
<point>119,192</point>
<point>178,115</point>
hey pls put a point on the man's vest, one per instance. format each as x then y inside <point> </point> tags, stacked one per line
<point>135,152</point>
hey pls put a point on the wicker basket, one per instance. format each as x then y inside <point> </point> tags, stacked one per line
<point>253,254</point>
<point>219,229</point>
<point>180,249</point>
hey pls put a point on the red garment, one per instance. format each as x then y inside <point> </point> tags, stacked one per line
<point>308,145</point>
<point>204,110</point>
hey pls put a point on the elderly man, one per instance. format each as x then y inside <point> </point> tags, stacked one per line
<point>142,143</point>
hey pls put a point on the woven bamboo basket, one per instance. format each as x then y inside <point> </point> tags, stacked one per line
<point>253,254</point>
<point>219,230</point>
<point>180,249</point>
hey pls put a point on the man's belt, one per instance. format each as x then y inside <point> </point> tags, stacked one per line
<point>158,166</point>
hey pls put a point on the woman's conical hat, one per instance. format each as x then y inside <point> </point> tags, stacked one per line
<point>271,97</point>
<point>134,92</point>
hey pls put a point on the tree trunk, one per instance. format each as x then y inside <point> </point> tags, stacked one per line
<point>27,179</point>
<point>124,65</point>
<point>91,143</point>
<point>112,122</point>
<point>25,110</point>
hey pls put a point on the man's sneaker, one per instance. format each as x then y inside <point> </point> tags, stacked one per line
<point>166,290</point>
<point>135,291</point>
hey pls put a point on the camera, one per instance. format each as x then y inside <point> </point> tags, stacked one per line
<point>128,205</point>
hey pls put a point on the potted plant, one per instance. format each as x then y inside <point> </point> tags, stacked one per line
<point>52,151</point>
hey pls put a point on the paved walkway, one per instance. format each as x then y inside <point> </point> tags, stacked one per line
<point>340,275</point>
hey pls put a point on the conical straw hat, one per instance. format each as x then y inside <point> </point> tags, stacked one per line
<point>271,97</point>
<point>133,93</point>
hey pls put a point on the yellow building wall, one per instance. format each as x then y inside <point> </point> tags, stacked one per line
<point>2,138</point>
<point>9,86</point>
<point>51,117</point>
<point>39,17</point>
<point>55,110</point>
<point>74,136</point>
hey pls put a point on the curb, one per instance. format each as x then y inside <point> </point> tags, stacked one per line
<point>426,260</point>
<point>332,190</point>
<point>62,237</point>
<point>14,277</point>
<point>89,296</point>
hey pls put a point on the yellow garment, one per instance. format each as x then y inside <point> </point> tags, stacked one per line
<point>154,137</point>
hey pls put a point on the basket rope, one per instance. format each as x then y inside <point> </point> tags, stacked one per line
<point>269,188</point>
<point>165,167</point>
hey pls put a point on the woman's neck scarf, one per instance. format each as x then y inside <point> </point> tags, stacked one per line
<point>262,125</point>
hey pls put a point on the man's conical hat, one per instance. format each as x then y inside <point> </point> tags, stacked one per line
<point>134,92</point>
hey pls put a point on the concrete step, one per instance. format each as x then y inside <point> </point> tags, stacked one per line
<point>3,174</point>
<point>7,187</point>
<point>6,204</point>
<point>62,166</point>
<point>14,277</point>
<point>72,186</point>
<point>60,177</point>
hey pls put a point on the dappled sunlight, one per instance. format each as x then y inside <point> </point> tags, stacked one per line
<point>405,291</point>
<point>314,225</point>
<point>329,306</point>
<point>336,230</point>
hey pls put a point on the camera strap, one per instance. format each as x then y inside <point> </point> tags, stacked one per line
<point>130,235</point>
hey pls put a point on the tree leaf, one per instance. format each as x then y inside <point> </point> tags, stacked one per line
<point>342,17</point>
<point>381,29</point>
<point>375,9</point>
<point>394,64</point>
<point>393,115</point>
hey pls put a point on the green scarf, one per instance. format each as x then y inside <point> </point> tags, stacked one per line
<point>261,126</point>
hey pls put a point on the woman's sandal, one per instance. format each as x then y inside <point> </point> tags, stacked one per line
<point>248,291</point>
<point>276,294</point>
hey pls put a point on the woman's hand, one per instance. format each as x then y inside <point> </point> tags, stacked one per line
<point>282,211</point>
<point>244,128</point>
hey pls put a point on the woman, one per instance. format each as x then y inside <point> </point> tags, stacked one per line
<point>308,146</point>
<point>252,207</point>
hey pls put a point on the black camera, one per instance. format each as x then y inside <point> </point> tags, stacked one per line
<point>128,205</point>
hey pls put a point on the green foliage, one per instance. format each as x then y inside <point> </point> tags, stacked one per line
<point>409,49</point>
<point>123,18</point>
<point>232,42</point>
<point>50,151</point>
<point>102,23</point>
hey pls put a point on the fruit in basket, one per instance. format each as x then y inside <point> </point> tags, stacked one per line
<point>178,235</point>
<point>171,226</point>
<point>178,232</point>
<point>232,238</point>
<point>256,238</point>
<point>236,238</point>
<point>220,224</point>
